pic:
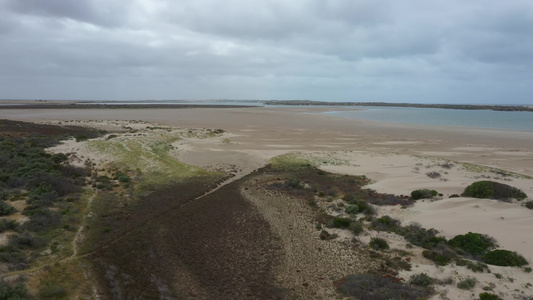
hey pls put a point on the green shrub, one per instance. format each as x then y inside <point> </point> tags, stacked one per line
<point>423,193</point>
<point>476,267</point>
<point>124,178</point>
<point>473,243</point>
<point>386,223</point>
<point>438,258</point>
<point>378,244</point>
<point>440,254</point>
<point>488,296</point>
<point>467,283</point>
<point>417,235</point>
<point>341,222</point>
<point>6,209</point>
<point>352,209</point>
<point>16,292</point>
<point>41,219</point>
<point>480,189</point>
<point>8,225</point>
<point>81,138</point>
<point>493,190</point>
<point>376,287</point>
<point>421,279</point>
<point>364,207</point>
<point>504,258</point>
<point>529,204</point>
<point>349,198</point>
<point>26,241</point>
<point>356,227</point>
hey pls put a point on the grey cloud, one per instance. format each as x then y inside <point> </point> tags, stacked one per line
<point>102,13</point>
<point>387,50</point>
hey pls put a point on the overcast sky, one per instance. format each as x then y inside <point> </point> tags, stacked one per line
<point>449,51</point>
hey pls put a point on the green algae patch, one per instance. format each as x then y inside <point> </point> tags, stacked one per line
<point>290,161</point>
<point>480,169</point>
<point>149,158</point>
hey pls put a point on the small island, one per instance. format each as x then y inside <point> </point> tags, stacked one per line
<point>388,104</point>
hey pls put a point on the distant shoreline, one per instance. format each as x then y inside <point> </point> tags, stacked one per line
<point>412,105</point>
<point>118,106</point>
<point>56,104</point>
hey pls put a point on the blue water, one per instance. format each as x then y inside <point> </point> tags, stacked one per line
<point>443,117</point>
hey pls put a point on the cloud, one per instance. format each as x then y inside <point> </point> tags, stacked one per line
<point>98,12</point>
<point>440,51</point>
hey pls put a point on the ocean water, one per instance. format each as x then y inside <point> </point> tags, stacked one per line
<point>443,117</point>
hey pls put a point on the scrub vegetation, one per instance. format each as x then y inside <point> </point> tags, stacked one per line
<point>50,192</point>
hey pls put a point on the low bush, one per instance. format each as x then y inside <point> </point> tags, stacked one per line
<point>421,279</point>
<point>349,198</point>
<point>73,171</point>
<point>493,190</point>
<point>378,244</point>
<point>356,227</point>
<point>42,219</point>
<point>363,207</point>
<point>341,222</point>
<point>6,209</point>
<point>433,174</point>
<point>386,223</point>
<point>474,244</point>
<point>438,258</point>
<point>488,296</point>
<point>81,138</point>
<point>441,254</point>
<point>467,283</point>
<point>352,209</point>
<point>376,287</point>
<point>417,235</point>
<point>8,225</point>
<point>504,258</point>
<point>292,183</point>
<point>475,267</point>
<point>529,204</point>
<point>16,292</point>
<point>121,177</point>
<point>324,235</point>
<point>423,193</point>
<point>397,263</point>
<point>12,255</point>
<point>26,241</point>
